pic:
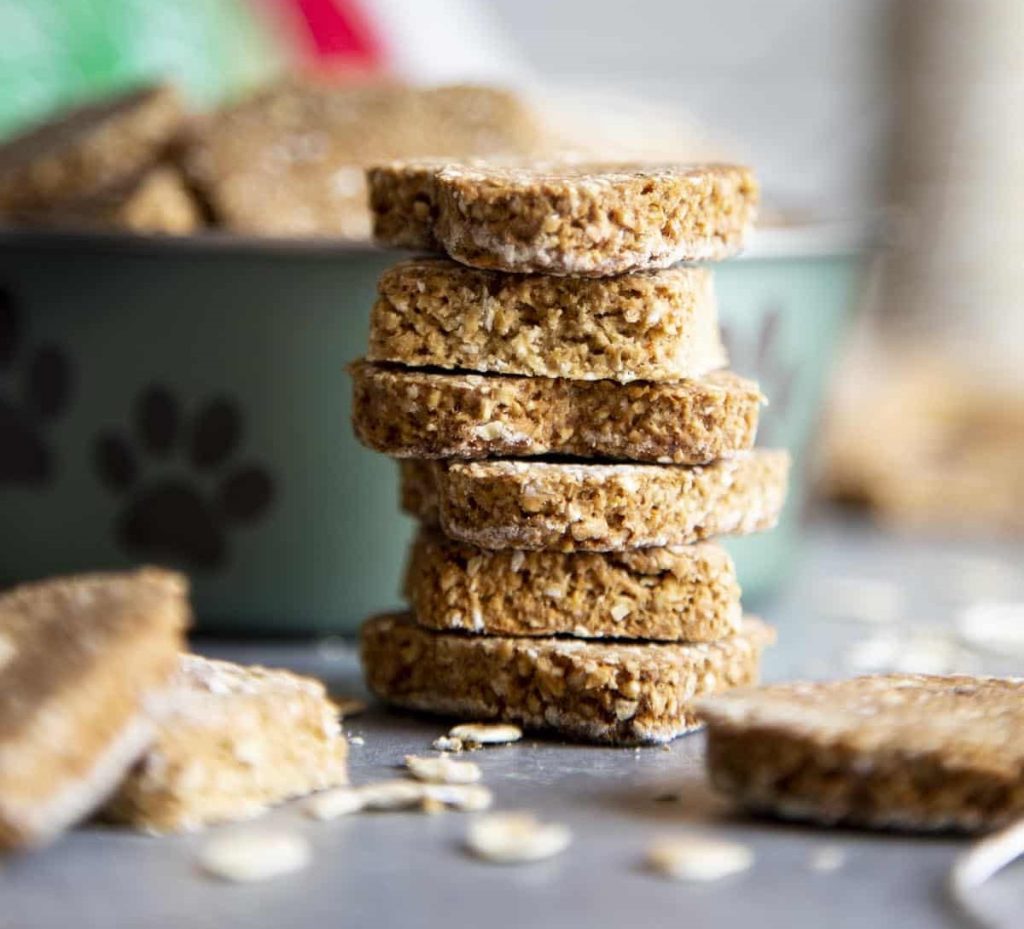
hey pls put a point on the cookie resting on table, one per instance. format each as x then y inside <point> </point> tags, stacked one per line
<point>899,751</point>
<point>609,692</point>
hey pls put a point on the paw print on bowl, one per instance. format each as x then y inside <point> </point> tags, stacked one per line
<point>35,387</point>
<point>181,488</point>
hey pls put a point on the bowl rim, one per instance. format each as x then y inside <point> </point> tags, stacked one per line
<point>815,239</point>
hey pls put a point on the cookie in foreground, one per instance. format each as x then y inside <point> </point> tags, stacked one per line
<point>84,151</point>
<point>650,325</point>
<point>615,693</point>
<point>84,662</point>
<point>592,220</point>
<point>684,594</point>
<point>235,741</point>
<point>409,413</point>
<point>573,506</point>
<point>899,751</point>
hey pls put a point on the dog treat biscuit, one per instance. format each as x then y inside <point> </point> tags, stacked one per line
<point>87,150</point>
<point>596,507</point>
<point>591,691</point>
<point>408,413</point>
<point>235,741</point>
<point>686,594</point>
<point>653,325</point>
<point>906,751</point>
<point>84,662</point>
<point>592,220</point>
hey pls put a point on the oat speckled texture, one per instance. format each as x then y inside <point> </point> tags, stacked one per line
<point>616,693</point>
<point>901,751</point>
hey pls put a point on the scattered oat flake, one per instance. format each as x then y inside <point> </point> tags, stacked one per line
<point>516,838</point>
<point>993,625</point>
<point>442,770</point>
<point>330,804</point>
<point>383,796</point>
<point>465,798</point>
<point>357,740</point>
<point>254,856</point>
<point>446,743</point>
<point>827,858</point>
<point>486,733</point>
<point>698,858</point>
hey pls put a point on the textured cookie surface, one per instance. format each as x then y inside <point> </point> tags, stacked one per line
<point>87,150</point>
<point>156,200</point>
<point>592,220</point>
<point>83,662</point>
<point>291,159</point>
<point>235,740</point>
<point>597,507</point>
<point>890,751</point>
<point>686,594</point>
<point>408,413</point>
<point>655,325</point>
<point>583,690</point>
<point>403,204</point>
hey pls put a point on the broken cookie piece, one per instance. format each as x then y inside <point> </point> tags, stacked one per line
<point>236,740</point>
<point>653,325</point>
<point>901,751</point>
<point>592,220</point>
<point>688,593</point>
<point>614,693</point>
<point>84,661</point>
<point>570,506</point>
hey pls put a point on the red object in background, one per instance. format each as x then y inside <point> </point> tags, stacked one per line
<point>335,34</point>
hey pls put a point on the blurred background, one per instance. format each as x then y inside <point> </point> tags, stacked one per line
<point>879,305</point>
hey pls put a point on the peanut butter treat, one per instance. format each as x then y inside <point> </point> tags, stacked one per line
<point>592,220</point>
<point>408,413</point>
<point>902,751</point>
<point>84,661</point>
<point>155,201</point>
<point>600,692</point>
<point>290,160</point>
<point>598,507</point>
<point>684,594</point>
<point>87,150</point>
<point>236,740</point>
<point>651,325</point>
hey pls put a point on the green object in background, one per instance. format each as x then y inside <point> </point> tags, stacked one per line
<point>55,53</point>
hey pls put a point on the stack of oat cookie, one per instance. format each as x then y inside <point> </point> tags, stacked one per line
<point>569,440</point>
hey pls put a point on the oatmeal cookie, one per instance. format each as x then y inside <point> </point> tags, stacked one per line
<point>568,506</point>
<point>409,413</point>
<point>653,325</point>
<point>905,751</point>
<point>589,691</point>
<point>683,594</point>
<point>592,220</point>
<point>84,663</point>
<point>234,741</point>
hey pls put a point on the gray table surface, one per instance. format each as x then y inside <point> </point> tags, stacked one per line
<point>410,870</point>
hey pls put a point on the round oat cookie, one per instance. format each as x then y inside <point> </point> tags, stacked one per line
<point>900,751</point>
<point>592,220</point>
<point>618,693</point>
<point>650,325</point>
<point>409,413</point>
<point>684,594</point>
<point>579,506</point>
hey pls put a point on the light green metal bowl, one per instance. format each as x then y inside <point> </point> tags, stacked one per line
<point>186,401</point>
